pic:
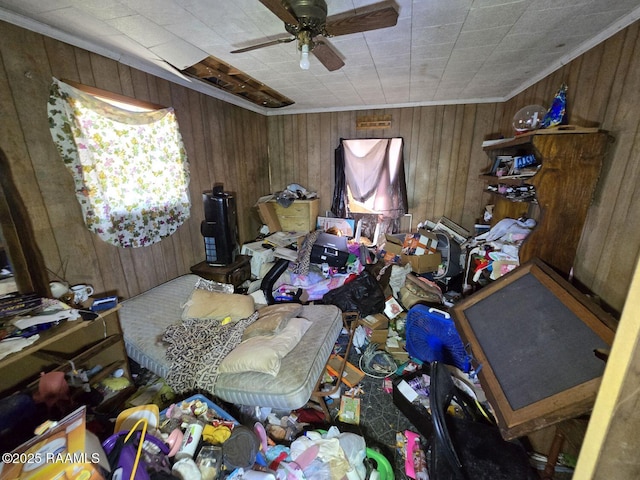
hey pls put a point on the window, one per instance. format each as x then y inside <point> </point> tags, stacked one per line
<point>370,184</point>
<point>129,167</point>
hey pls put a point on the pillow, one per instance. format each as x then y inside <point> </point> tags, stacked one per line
<point>263,354</point>
<point>272,320</point>
<point>218,306</point>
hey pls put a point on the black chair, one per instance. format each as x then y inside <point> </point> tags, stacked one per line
<point>464,447</point>
<point>270,279</point>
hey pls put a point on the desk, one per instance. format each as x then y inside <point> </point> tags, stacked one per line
<point>85,343</point>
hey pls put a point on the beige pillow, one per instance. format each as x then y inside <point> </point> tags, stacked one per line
<point>272,320</point>
<point>218,306</point>
<point>263,354</point>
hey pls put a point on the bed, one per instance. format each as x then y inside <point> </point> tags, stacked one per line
<point>146,317</point>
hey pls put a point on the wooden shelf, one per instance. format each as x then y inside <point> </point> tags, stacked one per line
<point>54,334</point>
<point>78,343</point>
<point>570,161</point>
<point>509,180</point>
<point>527,137</point>
<point>510,199</point>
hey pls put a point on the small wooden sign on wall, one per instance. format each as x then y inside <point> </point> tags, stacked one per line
<point>373,122</point>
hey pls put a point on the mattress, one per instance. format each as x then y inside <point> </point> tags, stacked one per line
<point>300,369</point>
<point>145,317</point>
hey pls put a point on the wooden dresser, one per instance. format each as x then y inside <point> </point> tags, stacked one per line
<point>300,216</point>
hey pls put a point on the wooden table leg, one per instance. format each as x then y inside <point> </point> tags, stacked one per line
<point>552,456</point>
<point>349,322</point>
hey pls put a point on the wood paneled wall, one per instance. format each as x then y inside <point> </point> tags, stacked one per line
<point>443,155</point>
<point>254,155</point>
<point>604,91</point>
<point>225,144</point>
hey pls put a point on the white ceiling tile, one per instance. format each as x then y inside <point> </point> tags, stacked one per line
<point>104,9</point>
<point>476,54</point>
<point>430,13</point>
<point>28,7</point>
<point>592,22</point>
<point>162,12</point>
<point>487,36</point>
<point>389,49</point>
<point>495,16</point>
<point>81,23</point>
<point>435,34</point>
<point>439,51</point>
<point>142,30</point>
<point>178,53</point>
<point>420,96</point>
<point>428,52</point>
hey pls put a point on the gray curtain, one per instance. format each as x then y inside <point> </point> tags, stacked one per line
<point>373,170</point>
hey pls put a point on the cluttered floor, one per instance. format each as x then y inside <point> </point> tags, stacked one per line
<point>380,422</point>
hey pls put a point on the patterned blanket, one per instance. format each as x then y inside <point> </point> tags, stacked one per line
<point>196,349</point>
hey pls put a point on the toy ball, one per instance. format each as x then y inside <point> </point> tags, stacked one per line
<point>529,118</point>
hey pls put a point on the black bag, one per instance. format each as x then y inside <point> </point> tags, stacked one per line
<point>363,295</point>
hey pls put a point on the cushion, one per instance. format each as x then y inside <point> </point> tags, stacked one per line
<point>272,320</point>
<point>218,306</point>
<point>263,353</point>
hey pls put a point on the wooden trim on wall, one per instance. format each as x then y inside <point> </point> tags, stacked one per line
<point>98,92</point>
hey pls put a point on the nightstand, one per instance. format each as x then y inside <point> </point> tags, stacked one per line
<point>235,273</point>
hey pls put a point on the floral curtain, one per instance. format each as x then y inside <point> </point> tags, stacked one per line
<point>130,168</point>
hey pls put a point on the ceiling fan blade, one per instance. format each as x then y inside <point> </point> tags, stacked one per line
<point>327,56</point>
<point>265,44</point>
<point>380,16</point>
<point>280,11</point>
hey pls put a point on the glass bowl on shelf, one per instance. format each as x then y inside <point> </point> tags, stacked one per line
<point>529,118</point>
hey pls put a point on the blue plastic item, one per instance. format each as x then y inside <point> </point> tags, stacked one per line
<point>432,336</point>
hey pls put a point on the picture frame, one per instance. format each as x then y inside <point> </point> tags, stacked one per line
<point>534,338</point>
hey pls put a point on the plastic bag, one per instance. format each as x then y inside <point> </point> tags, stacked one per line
<point>135,454</point>
<point>363,295</point>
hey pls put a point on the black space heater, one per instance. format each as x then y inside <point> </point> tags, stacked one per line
<point>220,227</point>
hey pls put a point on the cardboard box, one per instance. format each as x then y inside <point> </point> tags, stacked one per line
<point>421,243</point>
<point>60,452</point>
<point>349,410</point>
<point>400,356</point>
<point>377,336</point>
<point>268,214</point>
<point>395,346</point>
<point>351,376</point>
<point>419,263</point>
<point>377,321</point>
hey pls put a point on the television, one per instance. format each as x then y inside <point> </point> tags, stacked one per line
<point>219,227</point>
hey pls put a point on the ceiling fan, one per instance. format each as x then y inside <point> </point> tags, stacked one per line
<point>307,21</point>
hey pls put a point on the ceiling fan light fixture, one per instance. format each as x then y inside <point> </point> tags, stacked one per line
<point>308,23</point>
<point>304,57</point>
